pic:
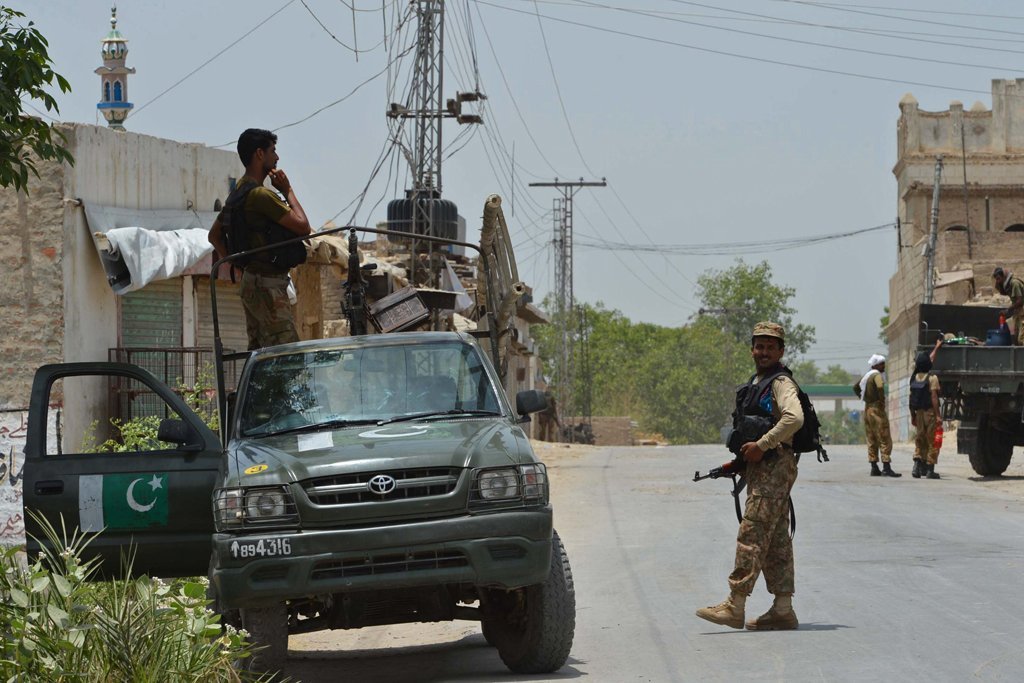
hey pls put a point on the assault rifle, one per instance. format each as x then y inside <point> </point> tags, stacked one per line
<point>354,305</point>
<point>730,469</point>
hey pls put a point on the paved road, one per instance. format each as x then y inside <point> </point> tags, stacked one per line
<point>900,580</point>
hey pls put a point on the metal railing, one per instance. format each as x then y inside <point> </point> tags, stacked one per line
<point>183,370</point>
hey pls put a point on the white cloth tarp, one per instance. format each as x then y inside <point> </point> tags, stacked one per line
<point>150,244</point>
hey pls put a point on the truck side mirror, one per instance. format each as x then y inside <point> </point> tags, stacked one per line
<point>530,401</point>
<point>176,432</point>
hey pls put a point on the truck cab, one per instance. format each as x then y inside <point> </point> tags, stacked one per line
<point>359,481</point>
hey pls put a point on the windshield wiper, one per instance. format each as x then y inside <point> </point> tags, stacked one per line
<point>435,413</point>
<point>316,426</point>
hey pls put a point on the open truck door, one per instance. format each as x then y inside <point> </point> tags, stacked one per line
<point>148,497</point>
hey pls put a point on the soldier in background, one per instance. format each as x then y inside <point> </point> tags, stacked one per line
<point>871,390</point>
<point>1012,286</point>
<point>763,543</point>
<point>550,427</point>
<point>924,414</point>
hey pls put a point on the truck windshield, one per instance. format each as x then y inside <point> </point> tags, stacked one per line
<point>336,387</point>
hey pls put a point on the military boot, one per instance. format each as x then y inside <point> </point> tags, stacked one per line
<point>931,473</point>
<point>887,470</point>
<point>918,469</point>
<point>775,620</point>
<point>727,613</point>
<point>875,472</point>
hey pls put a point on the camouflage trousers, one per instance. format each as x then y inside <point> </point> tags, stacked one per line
<point>268,313</point>
<point>924,440</point>
<point>876,428</point>
<point>763,544</point>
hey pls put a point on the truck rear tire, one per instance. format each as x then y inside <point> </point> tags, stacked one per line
<point>992,455</point>
<point>533,627</point>
<point>268,632</point>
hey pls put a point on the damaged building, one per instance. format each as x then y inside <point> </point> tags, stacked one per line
<point>980,218</point>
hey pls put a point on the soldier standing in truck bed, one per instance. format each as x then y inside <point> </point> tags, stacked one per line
<point>1012,286</point>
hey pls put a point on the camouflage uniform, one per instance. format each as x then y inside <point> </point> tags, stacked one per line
<point>1014,288</point>
<point>876,421</point>
<point>268,312</point>
<point>926,422</point>
<point>763,543</point>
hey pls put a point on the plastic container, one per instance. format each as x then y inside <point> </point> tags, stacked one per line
<point>938,436</point>
<point>999,336</point>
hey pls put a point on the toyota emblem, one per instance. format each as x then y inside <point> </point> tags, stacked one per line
<point>381,484</point>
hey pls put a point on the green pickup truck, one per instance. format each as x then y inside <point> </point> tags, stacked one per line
<point>367,480</point>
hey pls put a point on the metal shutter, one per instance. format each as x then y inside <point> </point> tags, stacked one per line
<point>151,316</point>
<point>229,310</point>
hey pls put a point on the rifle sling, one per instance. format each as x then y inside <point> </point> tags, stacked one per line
<point>740,483</point>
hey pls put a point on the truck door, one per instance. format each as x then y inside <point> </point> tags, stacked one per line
<point>93,461</point>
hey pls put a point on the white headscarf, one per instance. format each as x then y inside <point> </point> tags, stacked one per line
<point>872,362</point>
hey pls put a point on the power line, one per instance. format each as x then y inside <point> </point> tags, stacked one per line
<point>558,92</point>
<point>796,41</point>
<point>840,8</point>
<point>354,50</point>
<point>195,70</point>
<point>725,53</point>
<point>733,248</point>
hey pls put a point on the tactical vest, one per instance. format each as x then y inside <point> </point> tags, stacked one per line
<point>920,392</point>
<point>242,233</point>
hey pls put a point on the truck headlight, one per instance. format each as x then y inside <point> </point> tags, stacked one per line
<point>260,506</point>
<point>264,503</point>
<point>498,484</point>
<point>522,484</point>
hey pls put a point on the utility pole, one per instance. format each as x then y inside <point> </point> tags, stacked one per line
<point>428,108</point>
<point>564,300</point>
<point>929,274</point>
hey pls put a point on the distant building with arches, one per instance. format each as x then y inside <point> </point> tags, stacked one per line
<point>980,221</point>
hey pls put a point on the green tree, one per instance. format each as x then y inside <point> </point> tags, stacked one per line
<point>743,295</point>
<point>836,374</point>
<point>805,371</point>
<point>25,73</point>
<point>688,383</point>
<point>883,322</point>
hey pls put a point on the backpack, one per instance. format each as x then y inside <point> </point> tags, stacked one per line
<point>808,437</point>
<point>239,236</point>
<point>920,393</point>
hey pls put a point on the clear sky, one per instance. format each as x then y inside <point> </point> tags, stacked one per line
<point>718,122</point>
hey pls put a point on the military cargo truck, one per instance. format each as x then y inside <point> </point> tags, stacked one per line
<point>982,386</point>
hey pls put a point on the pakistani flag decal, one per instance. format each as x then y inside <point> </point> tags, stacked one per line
<point>122,501</point>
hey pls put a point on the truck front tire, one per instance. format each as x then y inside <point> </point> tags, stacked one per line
<point>533,627</point>
<point>268,632</point>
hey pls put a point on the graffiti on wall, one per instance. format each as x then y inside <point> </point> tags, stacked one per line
<point>13,425</point>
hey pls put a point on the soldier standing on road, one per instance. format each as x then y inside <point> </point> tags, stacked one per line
<point>871,390</point>
<point>924,414</point>
<point>1012,286</point>
<point>763,543</point>
<point>268,311</point>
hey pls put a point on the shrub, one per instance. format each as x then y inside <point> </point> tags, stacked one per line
<point>57,625</point>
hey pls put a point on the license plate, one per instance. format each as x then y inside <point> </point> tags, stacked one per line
<point>989,389</point>
<point>264,547</point>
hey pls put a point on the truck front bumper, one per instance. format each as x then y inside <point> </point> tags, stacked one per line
<point>509,549</point>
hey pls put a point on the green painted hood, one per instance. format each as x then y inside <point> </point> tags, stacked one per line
<point>465,443</point>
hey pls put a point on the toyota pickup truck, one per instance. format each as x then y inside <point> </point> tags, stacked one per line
<point>364,480</point>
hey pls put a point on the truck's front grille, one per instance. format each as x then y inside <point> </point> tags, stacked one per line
<point>388,564</point>
<point>369,487</point>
